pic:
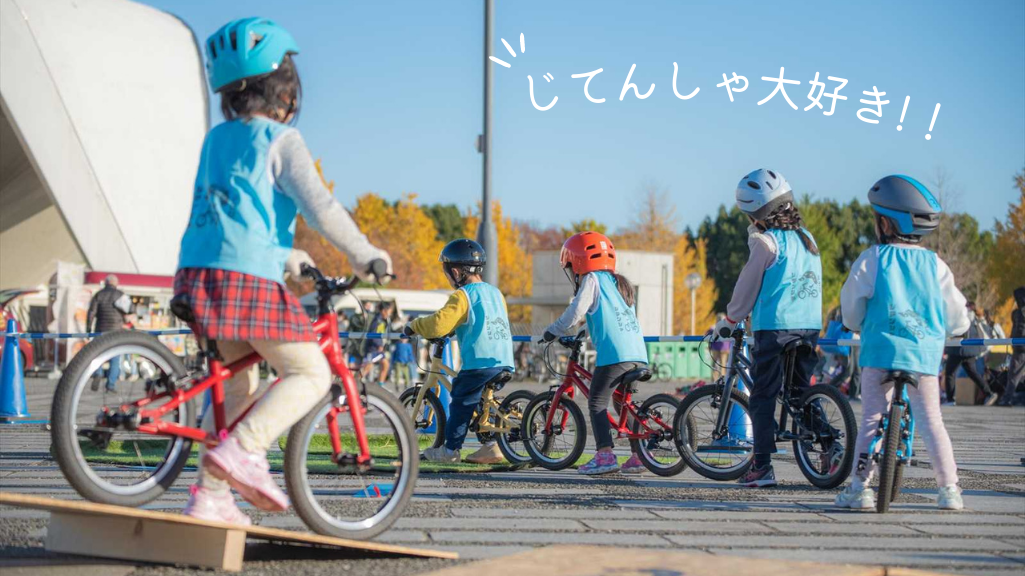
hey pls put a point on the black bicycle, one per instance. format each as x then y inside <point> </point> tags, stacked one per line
<point>819,421</point>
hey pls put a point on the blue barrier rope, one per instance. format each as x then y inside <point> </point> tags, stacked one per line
<point>521,338</point>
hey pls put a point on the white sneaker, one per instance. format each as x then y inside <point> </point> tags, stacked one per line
<point>950,498</point>
<point>489,453</point>
<point>855,499</point>
<point>441,454</point>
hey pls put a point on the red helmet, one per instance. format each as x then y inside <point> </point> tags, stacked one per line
<point>588,252</point>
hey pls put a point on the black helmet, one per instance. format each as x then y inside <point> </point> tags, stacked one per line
<point>909,204</point>
<point>464,254</point>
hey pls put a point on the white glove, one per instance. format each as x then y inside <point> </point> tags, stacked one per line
<point>364,271</point>
<point>293,266</point>
<point>723,329</point>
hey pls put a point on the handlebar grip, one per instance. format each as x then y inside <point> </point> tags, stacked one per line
<point>725,332</point>
<point>309,271</point>
<point>379,268</point>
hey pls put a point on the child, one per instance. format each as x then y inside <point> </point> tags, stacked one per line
<point>476,312</point>
<point>403,362</point>
<point>255,174</point>
<point>606,299</point>
<point>781,287</point>
<point>903,299</point>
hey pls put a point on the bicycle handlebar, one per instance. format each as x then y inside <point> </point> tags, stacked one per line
<point>378,268</point>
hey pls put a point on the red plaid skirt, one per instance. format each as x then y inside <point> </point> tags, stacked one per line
<point>235,306</point>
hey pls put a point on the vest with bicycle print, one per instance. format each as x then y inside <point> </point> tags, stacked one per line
<point>791,294</point>
<point>239,221</point>
<point>904,326</point>
<point>485,339</point>
<point>613,326</point>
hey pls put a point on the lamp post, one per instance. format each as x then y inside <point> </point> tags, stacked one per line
<point>693,282</point>
<point>486,234</point>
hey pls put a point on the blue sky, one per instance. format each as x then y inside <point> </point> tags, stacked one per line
<point>393,98</point>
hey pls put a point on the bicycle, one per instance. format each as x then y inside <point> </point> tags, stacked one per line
<point>494,419</point>
<point>823,438</point>
<point>660,371</point>
<point>347,481</point>
<point>553,416</point>
<point>897,440</point>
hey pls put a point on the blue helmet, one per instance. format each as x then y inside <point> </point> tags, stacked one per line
<point>246,48</point>
<point>909,204</point>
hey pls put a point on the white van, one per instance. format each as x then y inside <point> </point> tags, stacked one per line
<point>409,304</point>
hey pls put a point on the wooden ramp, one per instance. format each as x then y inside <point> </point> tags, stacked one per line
<point>89,529</point>
<point>612,561</point>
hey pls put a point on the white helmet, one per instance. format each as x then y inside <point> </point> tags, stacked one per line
<point>761,192</point>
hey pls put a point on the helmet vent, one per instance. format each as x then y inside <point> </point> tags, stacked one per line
<point>213,49</point>
<point>234,40</point>
<point>591,247</point>
<point>222,42</point>
<point>771,173</point>
<point>595,256</point>
<point>754,185</point>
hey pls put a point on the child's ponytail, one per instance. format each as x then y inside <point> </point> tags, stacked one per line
<point>788,217</point>
<point>626,289</point>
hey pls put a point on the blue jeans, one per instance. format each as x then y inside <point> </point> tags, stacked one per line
<point>466,390</point>
<point>768,380</point>
<point>113,372</point>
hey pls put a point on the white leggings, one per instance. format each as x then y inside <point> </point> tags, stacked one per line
<point>305,379</point>
<point>925,405</point>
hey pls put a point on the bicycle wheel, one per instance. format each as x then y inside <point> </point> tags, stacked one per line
<point>888,459</point>
<point>658,451</point>
<point>716,455</point>
<point>663,372</point>
<point>330,493</point>
<point>898,479</point>
<point>561,445</point>
<point>429,421</point>
<point>827,460</point>
<point>511,443</point>
<point>111,464</point>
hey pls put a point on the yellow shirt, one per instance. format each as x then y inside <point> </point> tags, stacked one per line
<point>444,321</point>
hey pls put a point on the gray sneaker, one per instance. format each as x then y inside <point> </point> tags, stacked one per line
<point>442,454</point>
<point>991,399</point>
<point>863,499</point>
<point>950,498</point>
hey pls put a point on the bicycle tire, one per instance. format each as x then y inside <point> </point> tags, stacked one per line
<point>850,430</point>
<point>641,449</point>
<point>534,414</point>
<point>888,457</point>
<point>663,372</point>
<point>408,397</point>
<point>898,479</point>
<point>685,444</point>
<point>508,441</point>
<point>296,474</point>
<point>64,437</point>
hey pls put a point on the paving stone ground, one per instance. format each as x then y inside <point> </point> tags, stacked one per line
<point>487,515</point>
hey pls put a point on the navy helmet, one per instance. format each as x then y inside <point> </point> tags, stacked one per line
<point>907,203</point>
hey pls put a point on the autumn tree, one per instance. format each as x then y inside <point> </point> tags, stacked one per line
<point>654,225</point>
<point>408,234</point>
<point>585,225</point>
<point>689,258</point>
<point>1006,264</point>
<point>515,271</point>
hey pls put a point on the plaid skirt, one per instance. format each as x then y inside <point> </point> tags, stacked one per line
<point>235,306</point>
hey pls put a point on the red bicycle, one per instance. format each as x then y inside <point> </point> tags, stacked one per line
<point>555,431</point>
<point>350,465</point>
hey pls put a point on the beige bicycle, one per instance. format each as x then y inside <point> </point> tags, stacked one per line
<point>495,418</point>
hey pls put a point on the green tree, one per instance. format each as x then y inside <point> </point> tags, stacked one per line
<point>447,219</point>
<point>727,251</point>
<point>587,224</point>
<point>816,220</point>
<point>1007,258</point>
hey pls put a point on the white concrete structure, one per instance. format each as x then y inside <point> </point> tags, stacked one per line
<point>104,112</point>
<point>650,272</point>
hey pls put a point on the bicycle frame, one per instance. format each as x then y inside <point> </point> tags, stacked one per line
<point>738,366</point>
<point>904,450</point>
<point>577,378</point>
<point>441,375</point>
<point>326,329</point>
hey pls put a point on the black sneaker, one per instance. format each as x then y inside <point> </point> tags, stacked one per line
<point>758,478</point>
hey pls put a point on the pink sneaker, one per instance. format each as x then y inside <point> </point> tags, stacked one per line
<point>248,473</point>
<point>632,466</point>
<point>206,504</point>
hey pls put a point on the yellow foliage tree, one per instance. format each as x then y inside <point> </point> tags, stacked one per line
<point>327,257</point>
<point>1006,271</point>
<point>689,259</point>
<point>515,264</point>
<point>409,236</point>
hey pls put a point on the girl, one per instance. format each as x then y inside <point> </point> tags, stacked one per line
<point>781,287</point>
<point>903,299</point>
<point>255,174</point>
<point>606,299</point>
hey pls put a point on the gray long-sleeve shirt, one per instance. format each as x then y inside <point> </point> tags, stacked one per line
<point>294,173</point>
<point>749,284</point>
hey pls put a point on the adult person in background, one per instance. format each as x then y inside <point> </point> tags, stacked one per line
<point>373,351</point>
<point>107,311</point>
<point>995,329</point>
<point>403,363</point>
<point>1016,375</point>
<point>966,357</point>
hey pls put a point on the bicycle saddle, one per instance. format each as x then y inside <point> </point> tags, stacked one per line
<point>635,375</point>
<point>906,378</point>
<point>182,308</point>
<point>799,346</point>
<point>499,380</point>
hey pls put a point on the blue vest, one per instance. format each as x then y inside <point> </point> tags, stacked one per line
<point>791,293</point>
<point>485,339</point>
<point>613,326</point>
<point>904,326</point>
<point>239,221</point>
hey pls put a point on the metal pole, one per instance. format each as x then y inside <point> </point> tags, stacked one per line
<point>486,233</point>
<point>692,326</point>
